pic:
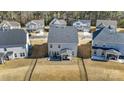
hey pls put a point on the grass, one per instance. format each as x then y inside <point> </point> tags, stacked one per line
<point>66,70</point>
<point>98,70</point>
<point>14,69</point>
<point>46,70</point>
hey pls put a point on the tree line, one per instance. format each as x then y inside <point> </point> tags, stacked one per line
<point>70,16</point>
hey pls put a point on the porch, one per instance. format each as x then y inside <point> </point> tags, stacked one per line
<point>64,54</point>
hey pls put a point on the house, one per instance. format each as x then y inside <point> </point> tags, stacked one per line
<point>58,22</point>
<point>62,43</point>
<point>13,44</point>
<point>113,23</point>
<point>107,44</point>
<point>10,25</point>
<point>35,25</point>
<point>82,25</point>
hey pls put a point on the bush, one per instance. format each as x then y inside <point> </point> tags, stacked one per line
<point>121,23</point>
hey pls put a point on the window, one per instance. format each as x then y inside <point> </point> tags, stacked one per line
<point>57,53</point>
<point>94,51</point>
<point>59,46</point>
<point>121,57</point>
<point>5,49</point>
<point>73,53</point>
<point>15,55</point>
<point>103,53</point>
<point>23,54</point>
<point>51,46</point>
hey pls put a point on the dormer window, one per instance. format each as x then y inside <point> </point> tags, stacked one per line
<point>111,29</point>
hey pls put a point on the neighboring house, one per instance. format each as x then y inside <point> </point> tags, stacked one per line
<point>82,25</point>
<point>62,43</point>
<point>13,44</point>
<point>10,25</point>
<point>106,23</point>
<point>35,25</point>
<point>58,22</point>
<point>107,44</point>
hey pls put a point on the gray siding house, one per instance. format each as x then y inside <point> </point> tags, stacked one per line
<point>13,44</point>
<point>10,25</point>
<point>107,44</point>
<point>82,25</point>
<point>35,25</point>
<point>62,43</point>
<point>106,23</point>
<point>58,22</point>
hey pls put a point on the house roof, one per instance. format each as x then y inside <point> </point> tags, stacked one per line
<point>12,23</point>
<point>101,25</point>
<point>106,23</point>
<point>108,35</point>
<point>97,32</point>
<point>104,48</point>
<point>62,35</point>
<point>41,22</point>
<point>86,22</point>
<point>56,21</point>
<point>13,37</point>
<point>113,51</point>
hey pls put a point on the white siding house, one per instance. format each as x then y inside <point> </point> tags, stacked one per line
<point>13,44</point>
<point>62,43</point>
<point>10,25</point>
<point>58,22</point>
<point>35,25</point>
<point>82,25</point>
<point>107,44</point>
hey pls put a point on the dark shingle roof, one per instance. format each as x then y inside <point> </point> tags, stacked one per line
<point>62,35</point>
<point>109,35</point>
<point>13,37</point>
<point>97,32</point>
